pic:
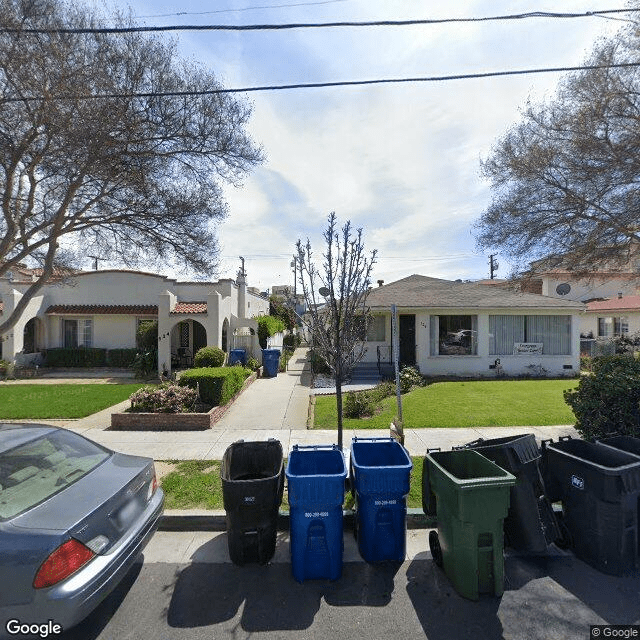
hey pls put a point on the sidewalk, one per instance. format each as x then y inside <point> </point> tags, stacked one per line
<point>273,408</point>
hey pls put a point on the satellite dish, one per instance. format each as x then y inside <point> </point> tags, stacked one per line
<point>563,289</point>
<point>324,292</point>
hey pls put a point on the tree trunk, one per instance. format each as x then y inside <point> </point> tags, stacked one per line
<point>339,408</point>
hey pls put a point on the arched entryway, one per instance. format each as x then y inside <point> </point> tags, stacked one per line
<point>32,336</point>
<point>187,337</point>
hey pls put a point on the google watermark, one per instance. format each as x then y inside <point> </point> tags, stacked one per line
<point>43,630</point>
<point>598,631</point>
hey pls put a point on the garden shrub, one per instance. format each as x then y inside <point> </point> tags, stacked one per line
<point>217,385</point>
<point>382,390</point>
<point>410,377</point>
<point>268,326</point>
<point>121,357</point>
<point>145,364</point>
<point>75,357</point>
<point>253,364</point>
<point>165,398</point>
<point>292,340</point>
<point>209,357</point>
<point>358,404</point>
<point>318,364</point>
<point>608,400</point>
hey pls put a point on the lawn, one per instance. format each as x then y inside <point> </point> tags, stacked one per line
<point>486,403</point>
<point>196,484</point>
<point>49,401</point>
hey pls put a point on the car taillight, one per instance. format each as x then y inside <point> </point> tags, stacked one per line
<point>153,486</point>
<point>64,561</point>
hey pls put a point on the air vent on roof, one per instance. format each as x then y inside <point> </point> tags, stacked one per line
<point>563,289</point>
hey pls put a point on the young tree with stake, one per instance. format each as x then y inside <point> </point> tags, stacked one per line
<point>338,329</point>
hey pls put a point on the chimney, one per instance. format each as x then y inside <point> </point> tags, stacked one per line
<point>619,295</point>
<point>380,283</point>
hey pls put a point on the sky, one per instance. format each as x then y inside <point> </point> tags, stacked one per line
<point>401,161</point>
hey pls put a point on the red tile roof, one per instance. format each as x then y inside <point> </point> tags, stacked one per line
<point>103,309</point>
<point>615,304</point>
<point>190,307</point>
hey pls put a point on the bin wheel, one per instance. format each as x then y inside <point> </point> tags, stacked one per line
<point>434,546</point>
<point>565,539</point>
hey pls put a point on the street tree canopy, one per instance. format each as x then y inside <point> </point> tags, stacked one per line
<point>94,161</point>
<point>566,179</point>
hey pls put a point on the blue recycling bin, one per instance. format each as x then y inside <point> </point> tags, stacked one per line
<point>271,362</point>
<point>238,355</point>
<point>315,477</point>
<point>381,473</point>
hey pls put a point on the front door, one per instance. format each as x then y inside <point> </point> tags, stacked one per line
<point>407,325</point>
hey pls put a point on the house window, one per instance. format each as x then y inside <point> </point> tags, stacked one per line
<point>77,333</point>
<point>610,327</point>
<point>376,330</point>
<point>454,335</point>
<point>554,332</point>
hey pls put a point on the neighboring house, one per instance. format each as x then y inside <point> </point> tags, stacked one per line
<point>471,329</point>
<point>105,308</point>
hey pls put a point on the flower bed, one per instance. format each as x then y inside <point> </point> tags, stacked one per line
<point>174,421</point>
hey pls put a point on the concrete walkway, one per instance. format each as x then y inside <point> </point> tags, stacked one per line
<point>272,408</point>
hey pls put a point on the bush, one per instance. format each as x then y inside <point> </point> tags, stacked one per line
<point>268,326</point>
<point>410,377</point>
<point>145,364</point>
<point>318,364</point>
<point>253,364</point>
<point>147,335</point>
<point>292,340</point>
<point>217,385</point>
<point>608,401</point>
<point>165,398</point>
<point>209,357</point>
<point>358,404</point>
<point>382,390</point>
<point>121,357</point>
<point>75,357</point>
<point>285,356</point>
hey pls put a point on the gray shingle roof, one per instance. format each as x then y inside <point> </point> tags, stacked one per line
<point>423,292</point>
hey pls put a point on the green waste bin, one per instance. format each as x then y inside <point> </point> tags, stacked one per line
<point>471,500</point>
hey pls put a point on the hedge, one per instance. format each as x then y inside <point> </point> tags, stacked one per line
<point>607,401</point>
<point>217,384</point>
<point>89,357</point>
<point>268,326</point>
<point>76,357</point>
<point>122,358</point>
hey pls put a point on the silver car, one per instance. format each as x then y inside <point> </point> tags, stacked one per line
<point>74,517</point>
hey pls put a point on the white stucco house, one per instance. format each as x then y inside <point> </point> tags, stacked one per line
<point>104,309</point>
<point>472,329</point>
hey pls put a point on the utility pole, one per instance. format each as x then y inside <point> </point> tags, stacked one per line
<point>294,264</point>
<point>493,265</point>
<point>95,261</point>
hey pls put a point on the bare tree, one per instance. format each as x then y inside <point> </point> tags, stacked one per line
<point>566,178</point>
<point>96,158</point>
<point>336,295</point>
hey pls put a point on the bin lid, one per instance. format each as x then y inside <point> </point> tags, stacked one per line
<point>379,453</point>
<point>467,469</point>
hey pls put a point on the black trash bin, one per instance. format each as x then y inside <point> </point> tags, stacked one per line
<point>623,443</point>
<point>530,524</point>
<point>599,488</point>
<point>252,485</point>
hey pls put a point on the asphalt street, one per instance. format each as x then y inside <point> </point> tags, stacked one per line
<point>553,596</point>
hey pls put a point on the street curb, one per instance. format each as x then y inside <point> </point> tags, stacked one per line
<point>216,521</point>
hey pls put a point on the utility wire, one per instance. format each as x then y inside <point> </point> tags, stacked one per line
<point>268,6</point>
<point>316,85</point>
<point>311,25</point>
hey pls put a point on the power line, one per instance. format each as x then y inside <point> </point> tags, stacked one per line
<point>311,25</point>
<point>341,83</point>
<point>269,6</point>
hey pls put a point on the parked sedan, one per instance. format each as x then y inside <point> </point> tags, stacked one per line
<point>74,517</point>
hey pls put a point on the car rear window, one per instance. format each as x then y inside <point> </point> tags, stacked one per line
<point>33,472</point>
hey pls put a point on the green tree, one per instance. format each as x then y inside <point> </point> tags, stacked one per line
<point>99,149</point>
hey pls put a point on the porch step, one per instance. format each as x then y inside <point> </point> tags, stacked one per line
<point>365,373</point>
